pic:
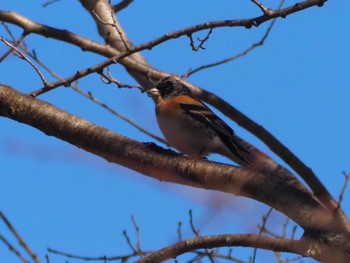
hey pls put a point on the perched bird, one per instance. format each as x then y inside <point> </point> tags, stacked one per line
<point>190,126</point>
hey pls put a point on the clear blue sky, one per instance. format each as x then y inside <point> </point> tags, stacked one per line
<point>296,86</point>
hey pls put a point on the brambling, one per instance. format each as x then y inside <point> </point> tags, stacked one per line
<point>190,126</point>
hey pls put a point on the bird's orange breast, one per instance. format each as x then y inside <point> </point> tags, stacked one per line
<point>171,108</point>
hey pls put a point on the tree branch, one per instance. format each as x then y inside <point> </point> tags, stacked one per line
<point>248,23</point>
<point>16,234</point>
<point>114,35</point>
<point>122,5</point>
<point>13,249</point>
<point>235,240</point>
<point>243,53</point>
<point>279,190</point>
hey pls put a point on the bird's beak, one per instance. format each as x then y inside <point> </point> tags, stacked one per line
<point>154,92</point>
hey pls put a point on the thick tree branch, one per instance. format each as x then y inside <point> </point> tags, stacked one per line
<point>113,34</point>
<point>279,190</point>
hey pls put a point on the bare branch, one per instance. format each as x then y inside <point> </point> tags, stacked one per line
<point>122,5</point>
<point>245,52</point>
<point>281,191</point>
<point>13,249</point>
<point>9,17</point>
<point>262,228</point>
<point>196,232</point>
<point>128,241</point>
<point>19,238</point>
<point>115,25</point>
<point>117,38</point>
<point>49,3</point>
<point>108,79</point>
<point>16,43</point>
<point>201,41</point>
<point>137,231</point>
<point>284,227</point>
<point>22,56</point>
<point>30,27</point>
<point>235,240</point>
<point>179,235</point>
<point>347,178</point>
<point>94,99</point>
<point>266,11</point>
<point>136,252</point>
<point>100,258</point>
<point>119,115</point>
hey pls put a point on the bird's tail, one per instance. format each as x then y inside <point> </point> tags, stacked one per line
<point>239,153</point>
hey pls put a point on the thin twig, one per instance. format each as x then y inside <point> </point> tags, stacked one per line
<point>108,79</point>
<point>8,30</point>
<point>95,100</point>
<point>196,232</point>
<point>114,112</point>
<point>347,177</point>
<point>115,25</point>
<point>137,231</point>
<point>293,231</point>
<point>284,227</point>
<point>179,235</point>
<point>208,253</point>
<point>16,42</point>
<point>270,233</point>
<point>261,229</point>
<point>265,10</point>
<point>22,56</point>
<point>243,53</point>
<point>201,41</point>
<point>49,3</point>
<point>104,258</point>
<point>13,249</point>
<point>128,241</point>
<point>19,238</point>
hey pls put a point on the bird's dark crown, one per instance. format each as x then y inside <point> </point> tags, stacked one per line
<point>170,87</point>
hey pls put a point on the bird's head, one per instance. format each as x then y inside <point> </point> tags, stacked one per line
<point>169,87</point>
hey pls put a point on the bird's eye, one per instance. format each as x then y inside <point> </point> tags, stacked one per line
<point>167,89</point>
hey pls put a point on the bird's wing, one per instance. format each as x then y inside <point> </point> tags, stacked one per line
<point>202,113</point>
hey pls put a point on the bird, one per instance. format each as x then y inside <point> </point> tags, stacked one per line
<point>192,127</point>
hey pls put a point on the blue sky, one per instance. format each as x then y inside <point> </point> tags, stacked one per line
<point>296,86</point>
